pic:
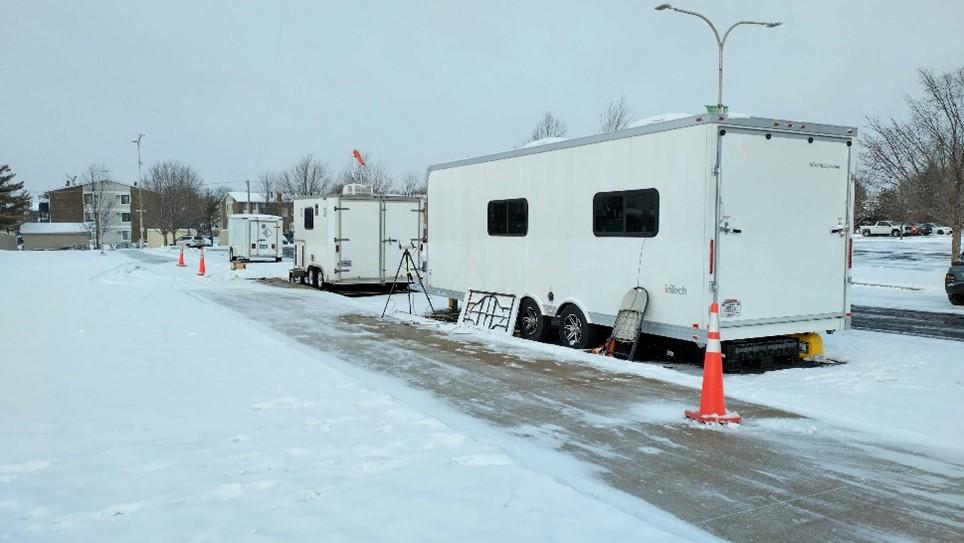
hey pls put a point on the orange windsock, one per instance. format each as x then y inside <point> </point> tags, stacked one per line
<point>357,154</point>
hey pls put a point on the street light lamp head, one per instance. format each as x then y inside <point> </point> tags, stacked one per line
<point>661,7</point>
<point>773,25</point>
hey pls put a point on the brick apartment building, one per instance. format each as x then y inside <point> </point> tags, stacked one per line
<point>74,204</point>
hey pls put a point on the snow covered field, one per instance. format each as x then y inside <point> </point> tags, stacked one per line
<point>902,273</point>
<point>132,410</point>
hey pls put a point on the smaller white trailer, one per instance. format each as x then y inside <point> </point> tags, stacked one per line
<point>254,237</point>
<point>355,238</point>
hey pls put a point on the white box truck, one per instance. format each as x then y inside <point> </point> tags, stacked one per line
<point>355,238</point>
<point>751,213</point>
<point>255,237</point>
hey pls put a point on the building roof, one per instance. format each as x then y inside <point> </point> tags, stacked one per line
<point>75,185</point>
<point>254,216</point>
<point>53,228</point>
<point>242,196</point>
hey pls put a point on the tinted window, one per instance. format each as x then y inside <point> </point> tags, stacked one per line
<point>508,217</point>
<point>309,218</point>
<point>627,213</point>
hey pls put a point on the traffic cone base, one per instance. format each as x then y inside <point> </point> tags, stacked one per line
<point>728,418</point>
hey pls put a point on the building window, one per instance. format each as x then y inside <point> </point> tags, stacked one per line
<point>309,218</point>
<point>126,235</point>
<point>88,198</point>
<point>125,217</point>
<point>125,199</point>
<point>626,213</point>
<point>88,217</point>
<point>508,217</point>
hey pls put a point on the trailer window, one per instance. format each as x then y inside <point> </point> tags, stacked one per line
<point>508,217</point>
<point>309,218</point>
<point>626,213</point>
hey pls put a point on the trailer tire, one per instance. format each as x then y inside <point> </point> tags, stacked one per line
<point>533,325</point>
<point>277,259</point>
<point>574,329</point>
<point>316,278</point>
<point>865,233</point>
<point>956,299</point>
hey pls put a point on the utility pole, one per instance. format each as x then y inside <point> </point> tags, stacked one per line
<point>248,206</point>
<point>720,42</point>
<point>140,192</point>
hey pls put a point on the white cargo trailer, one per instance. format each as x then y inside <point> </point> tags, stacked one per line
<point>752,213</point>
<point>356,238</point>
<point>254,237</point>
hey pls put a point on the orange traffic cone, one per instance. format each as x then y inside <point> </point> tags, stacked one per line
<point>180,260</point>
<point>200,266</point>
<point>712,401</point>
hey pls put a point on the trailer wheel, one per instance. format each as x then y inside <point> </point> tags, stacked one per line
<point>956,299</point>
<point>316,279</point>
<point>532,323</point>
<point>574,330</point>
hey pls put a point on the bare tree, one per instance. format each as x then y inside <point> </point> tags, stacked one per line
<point>412,185</point>
<point>100,203</point>
<point>209,213</point>
<point>308,177</point>
<point>924,156</point>
<point>267,183</point>
<point>178,189</point>
<point>372,173</point>
<point>617,116</point>
<point>548,127</point>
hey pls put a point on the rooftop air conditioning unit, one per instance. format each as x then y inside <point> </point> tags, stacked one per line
<point>357,189</point>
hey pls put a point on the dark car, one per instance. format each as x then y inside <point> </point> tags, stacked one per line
<point>954,282</point>
<point>926,229</point>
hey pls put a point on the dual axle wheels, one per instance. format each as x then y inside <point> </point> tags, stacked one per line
<point>574,330</point>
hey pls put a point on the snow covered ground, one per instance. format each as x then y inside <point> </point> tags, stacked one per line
<point>903,273</point>
<point>131,409</point>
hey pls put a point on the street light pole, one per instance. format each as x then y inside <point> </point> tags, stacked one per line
<point>720,42</point>
<point>140,191</point>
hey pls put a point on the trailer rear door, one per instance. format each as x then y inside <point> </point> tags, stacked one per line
<point>359,240</point>
<point>402,228</point>
<point>782,245</point>
<point>264,238</point>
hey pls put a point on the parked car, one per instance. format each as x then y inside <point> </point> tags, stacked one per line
<point>881,228</point>
<point>943,230</point>
<point>926,229</point>
<point>954,282</point>
<point>192,241</point>
<point>911,230</point>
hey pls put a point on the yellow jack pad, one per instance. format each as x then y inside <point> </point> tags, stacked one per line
<point>811,345</point>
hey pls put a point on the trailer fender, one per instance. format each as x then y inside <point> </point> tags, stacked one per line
<point>567,301</point>
<point>539,302</point>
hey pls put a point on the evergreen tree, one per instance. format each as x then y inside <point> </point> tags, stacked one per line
<point>14,201</point>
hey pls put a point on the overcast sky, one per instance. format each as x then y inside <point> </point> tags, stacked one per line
<point>233,88</point>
